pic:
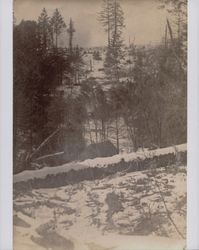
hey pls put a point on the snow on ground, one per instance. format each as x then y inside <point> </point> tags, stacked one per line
<point>132,156</point>
<point>124,138</point>
<point>124,211</point>
<point>97,66</point>
<point>97,162</point>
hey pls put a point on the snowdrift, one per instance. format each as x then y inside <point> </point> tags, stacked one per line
<point>99,168</point>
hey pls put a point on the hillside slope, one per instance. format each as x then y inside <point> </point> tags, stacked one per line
<point>125,210</point>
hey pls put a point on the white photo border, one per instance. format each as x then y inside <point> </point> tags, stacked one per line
<point>6,125</point>
<point>193,127</point>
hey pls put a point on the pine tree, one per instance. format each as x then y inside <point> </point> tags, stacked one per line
<point>112,18</point>
<point>71,31</point>
<point>115,49</point>
<point>57,25</point>
<point>44,30</point>
<point>105,17</point>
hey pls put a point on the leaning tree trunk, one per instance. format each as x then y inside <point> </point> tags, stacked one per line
<point>45,142</point>
<point>117,135</point>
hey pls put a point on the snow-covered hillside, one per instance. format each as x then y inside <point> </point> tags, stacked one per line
<point>123,211</point>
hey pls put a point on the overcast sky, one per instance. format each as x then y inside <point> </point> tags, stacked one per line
<point>144,21</point>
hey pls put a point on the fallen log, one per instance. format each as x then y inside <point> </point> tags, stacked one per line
<point>48,156</point>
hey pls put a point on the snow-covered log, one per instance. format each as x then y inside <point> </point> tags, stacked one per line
<point>78,171</point>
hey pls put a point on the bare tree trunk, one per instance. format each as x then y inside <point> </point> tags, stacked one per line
<point>52,38</point>
<point>150,131</point>
<point>56,40</point>
<point>133,137</point>
<point>96,132</point>
<point>132,133</point>
<point>61,76</point>
<point>160,132</point>
<point>108,22</point>
<point>30,135</point>
<point>165,36</point>
<point>117,135</point>
<point>173,48</point>
<point>91,66</point>
<point>107,132</point>
<point>43,143</point>
<point>90,135</point>
<point>103,130</point>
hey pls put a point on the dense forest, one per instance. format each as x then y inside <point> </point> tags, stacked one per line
<point>61,107</point>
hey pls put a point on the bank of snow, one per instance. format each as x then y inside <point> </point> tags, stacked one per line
<point>97,162</point>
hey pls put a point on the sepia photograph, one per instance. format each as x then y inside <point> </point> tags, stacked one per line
<point>99,124</point>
